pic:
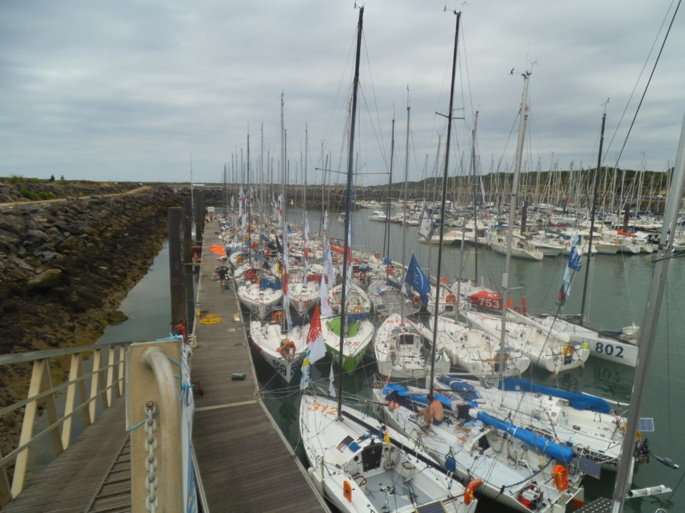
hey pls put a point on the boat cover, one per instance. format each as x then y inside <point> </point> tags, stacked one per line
<point>463,388</point>
<point>576,400</point>
<point>551,449</point>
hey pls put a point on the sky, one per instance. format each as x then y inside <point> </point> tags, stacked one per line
<point>169,91</point>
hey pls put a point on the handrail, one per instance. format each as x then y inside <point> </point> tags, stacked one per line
<point>46,393</point>
<point>29,356</point>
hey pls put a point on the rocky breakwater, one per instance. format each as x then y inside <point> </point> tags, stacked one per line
<point>65,266</point>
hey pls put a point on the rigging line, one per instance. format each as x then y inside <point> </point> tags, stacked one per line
<point>375,102</point>
<point>649,80</point>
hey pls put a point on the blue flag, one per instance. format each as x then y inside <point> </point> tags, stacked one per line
<point>574,259</point>
<point>575,264</point>
<point>416,279</point>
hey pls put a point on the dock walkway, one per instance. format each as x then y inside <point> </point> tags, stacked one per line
<point>245,464</point>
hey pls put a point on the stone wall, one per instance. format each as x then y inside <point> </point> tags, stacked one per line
<point>66,265</point>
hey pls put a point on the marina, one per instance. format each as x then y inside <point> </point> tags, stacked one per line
<point>598,377</point>
<point>466,342</point>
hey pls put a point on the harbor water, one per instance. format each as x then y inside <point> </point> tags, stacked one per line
<point>616,297</point>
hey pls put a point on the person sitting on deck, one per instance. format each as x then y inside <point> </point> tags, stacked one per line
<point>433,413</point>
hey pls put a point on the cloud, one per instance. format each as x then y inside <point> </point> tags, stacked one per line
<point>130,90</point>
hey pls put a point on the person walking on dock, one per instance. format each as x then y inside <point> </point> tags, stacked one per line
<point>221,272</point>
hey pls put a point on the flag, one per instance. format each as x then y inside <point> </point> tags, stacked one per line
<point>316,348</point>
<point>426,223</point>
<point>326,308</point>
<point>328,265</point>
<point>331,379</point>
<point>575,264</point>
<point>565,288</point>
<point>418,280</point>
<point>574,259</point>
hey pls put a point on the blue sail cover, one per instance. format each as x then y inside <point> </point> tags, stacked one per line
<point>463,388</point>
<point>577,401</point>
<point>551,449</point>
<point>268,284</point>
<point>417,398</point>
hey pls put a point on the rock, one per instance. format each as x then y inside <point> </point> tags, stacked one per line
<point>11,222</point>
<point>21,264</point>
<point>69,228</point>
<point>46,280</point>
<point>35,237</point>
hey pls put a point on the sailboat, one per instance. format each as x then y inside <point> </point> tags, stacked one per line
<point>619,347</point>
<point>516,467</point>
<point>357,463</point>
<point>283,349</point>
<point>402,347</point>
<point>476,351</point>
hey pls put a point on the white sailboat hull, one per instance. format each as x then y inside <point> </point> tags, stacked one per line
<point>346,454</point>
<point>267,339</point>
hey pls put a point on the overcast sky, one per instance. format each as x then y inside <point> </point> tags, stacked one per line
<point>141,90</point>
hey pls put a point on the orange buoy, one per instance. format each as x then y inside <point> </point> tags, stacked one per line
<point>471,490</point>
<point>560,475</point>
<point>347,490</point>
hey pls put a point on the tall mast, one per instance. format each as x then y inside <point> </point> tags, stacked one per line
<point>444,197</point>
<point>306,144</point>
<point>512,211</point>
<point>386,238</point>
<point>592,219</point>
<point>348,220</point>
<point>656,286</point>
<point>406,182</point>
<point>475,202</point>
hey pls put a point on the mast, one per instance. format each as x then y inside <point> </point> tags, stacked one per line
<point>350,171</point>
<point>406,182</point>
<point>649,325</point>
<point>592,219</point>
<point>475,205</point>
<point>306,156</point>
<point>444,197</point>
<point>512,211</point>
<point>386,238</point>
<point>404,207</point>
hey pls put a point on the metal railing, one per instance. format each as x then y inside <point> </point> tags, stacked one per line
<point>95,378</point>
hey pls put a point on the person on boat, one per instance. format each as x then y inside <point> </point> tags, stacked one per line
<point>433,414</point>
<point>221,272</point>
<point>180,329</point>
